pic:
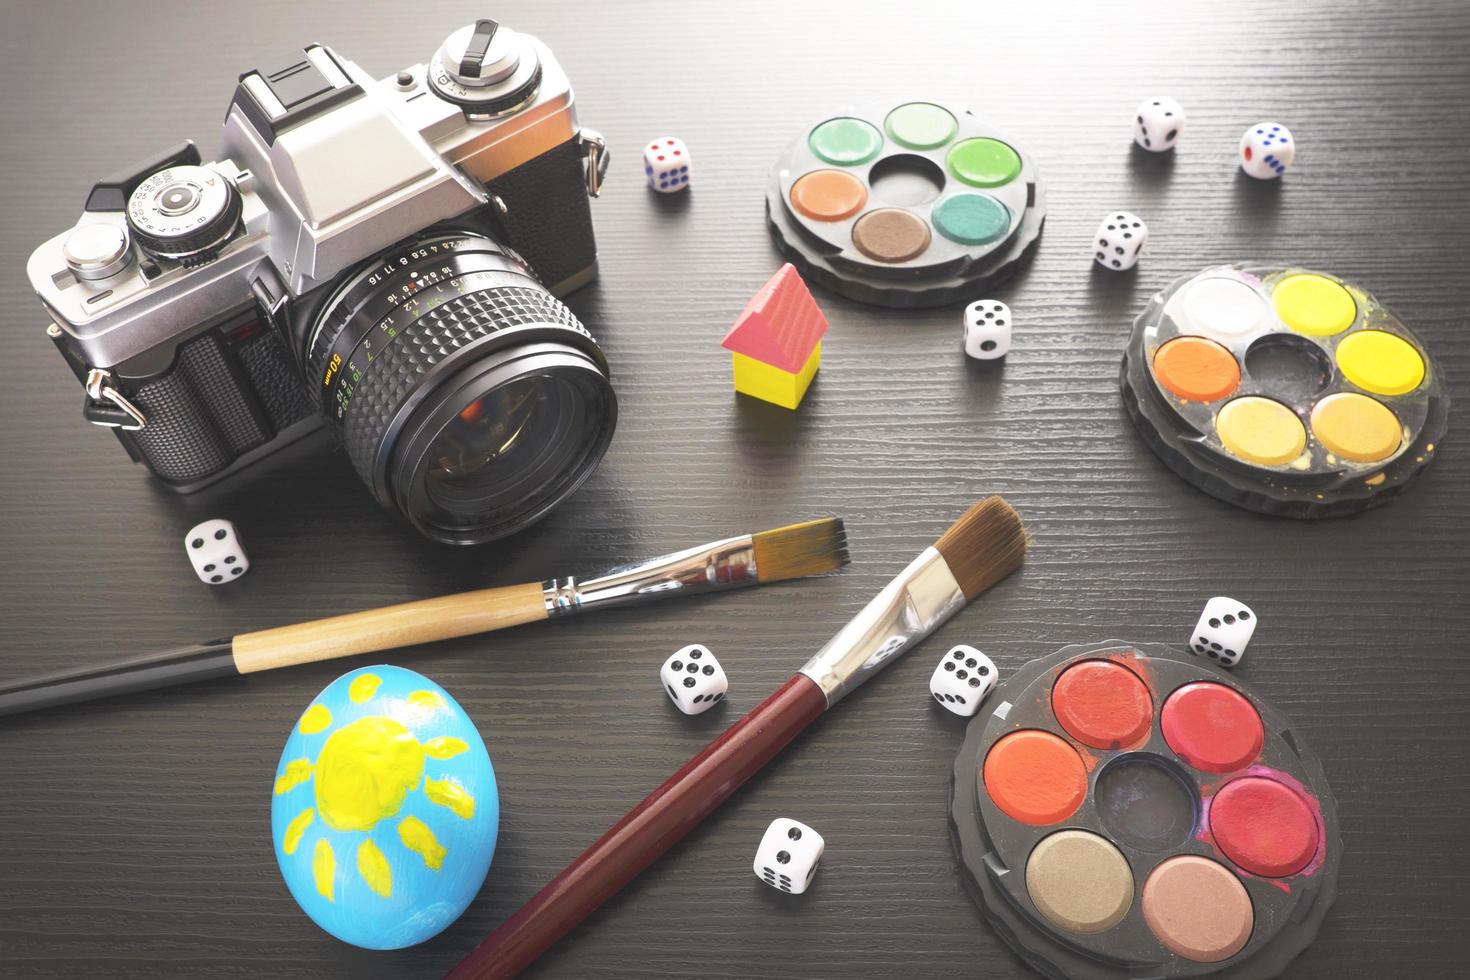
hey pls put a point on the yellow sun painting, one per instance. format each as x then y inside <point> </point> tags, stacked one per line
<point>380,814</point>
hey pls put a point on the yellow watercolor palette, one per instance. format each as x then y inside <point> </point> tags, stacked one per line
<point>1283,390</point>
<point>905,203</point>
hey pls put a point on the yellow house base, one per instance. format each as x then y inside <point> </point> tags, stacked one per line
<point>760,380</point>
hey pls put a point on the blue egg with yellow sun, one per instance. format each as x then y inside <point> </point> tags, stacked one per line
<point>385,809</point>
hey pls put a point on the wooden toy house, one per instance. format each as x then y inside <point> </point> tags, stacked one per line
<point>776,344</point>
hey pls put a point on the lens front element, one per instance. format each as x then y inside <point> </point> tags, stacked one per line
<point>510,454</point>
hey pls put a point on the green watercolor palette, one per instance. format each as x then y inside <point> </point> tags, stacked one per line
<point>905,204</point>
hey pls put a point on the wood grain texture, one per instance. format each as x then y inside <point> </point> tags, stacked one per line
<point>403,624</point>
<point>136,833</point>
<point>646,832</point>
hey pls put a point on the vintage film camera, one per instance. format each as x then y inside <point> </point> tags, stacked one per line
<point>382,255</point>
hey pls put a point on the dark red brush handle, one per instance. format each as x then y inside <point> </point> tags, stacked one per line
<point>649,829</point>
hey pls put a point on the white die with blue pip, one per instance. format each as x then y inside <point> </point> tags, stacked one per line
<point>788,855</point>
<point>694,679</point>
<point>962,679</point>
<point>666,164</point>
<point>1157,123</point>
<point>1266,150</point>
<point>1224,630</point>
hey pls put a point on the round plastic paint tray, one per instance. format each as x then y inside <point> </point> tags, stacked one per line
<point>1119,813</point>
<point>905,204</point>
<point>1283,390</point>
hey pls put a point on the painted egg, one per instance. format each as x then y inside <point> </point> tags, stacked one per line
<point>385,809</point>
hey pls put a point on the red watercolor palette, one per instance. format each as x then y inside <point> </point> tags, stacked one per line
<point>1120,813</point>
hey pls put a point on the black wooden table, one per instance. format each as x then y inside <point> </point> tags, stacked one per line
<point>134,835</point>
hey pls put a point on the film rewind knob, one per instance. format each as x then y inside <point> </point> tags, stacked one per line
<point>485,69</point>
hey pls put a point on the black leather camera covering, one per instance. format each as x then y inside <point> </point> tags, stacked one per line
<point>550,217</point>
<point>220,401</point>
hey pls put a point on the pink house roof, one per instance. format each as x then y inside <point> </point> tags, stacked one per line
<point>781,325</point>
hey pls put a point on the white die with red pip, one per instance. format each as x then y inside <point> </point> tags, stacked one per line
<point>1266,150</point>
<point>666,164</point>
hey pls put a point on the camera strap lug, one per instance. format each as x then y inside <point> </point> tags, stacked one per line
<point>105,405</point>
<point>591,142</point>
<point>272,307</point>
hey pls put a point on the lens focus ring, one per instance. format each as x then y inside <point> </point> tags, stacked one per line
<point>428,341</point>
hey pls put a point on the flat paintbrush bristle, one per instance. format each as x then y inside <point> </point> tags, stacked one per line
<point>808,548</point>
<point>985,545</point>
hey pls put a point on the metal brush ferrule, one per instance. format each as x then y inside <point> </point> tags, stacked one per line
<point>908,609</point>
<point>727,564</point>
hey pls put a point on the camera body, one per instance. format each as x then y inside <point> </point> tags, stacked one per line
<point>192,297</point>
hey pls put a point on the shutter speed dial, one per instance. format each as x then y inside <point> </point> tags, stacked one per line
<point>184,213</point>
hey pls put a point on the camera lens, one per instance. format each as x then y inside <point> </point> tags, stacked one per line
<point>467,396</point>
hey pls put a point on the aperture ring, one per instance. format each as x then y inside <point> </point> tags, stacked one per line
<point>381,285</point>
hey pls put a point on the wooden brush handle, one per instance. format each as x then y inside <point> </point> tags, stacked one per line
<point>403,625</point>
<point>649,829</point>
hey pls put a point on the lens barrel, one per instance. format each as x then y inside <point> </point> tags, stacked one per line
<point>467,396</point>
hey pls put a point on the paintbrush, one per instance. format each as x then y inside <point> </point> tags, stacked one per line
<point>794,551</point>
<point>984,546</point>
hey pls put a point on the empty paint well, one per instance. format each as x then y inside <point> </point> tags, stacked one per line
<point>1197,909</point>
<point>1146,801</point>
<point>907,179</point>
<point>1035,777</point>
<point>1102,704</point>
<point>1264,826</point>
<point>1196,369</point>
<point>829,195</point>
<point>1289,366</point>
<point>1212,727</point>
<point>1079,881</point>
<point>845,141</point>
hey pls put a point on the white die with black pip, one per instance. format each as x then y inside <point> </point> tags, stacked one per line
<point>1157,123</point>
<point>1119,240</point>
<point>962,679</point>
<point>694,679</point>
<point>1224,630</point>
<point>788,855</point>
